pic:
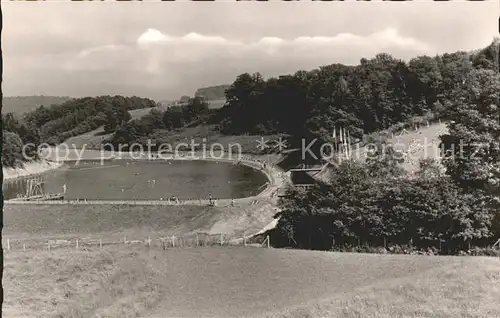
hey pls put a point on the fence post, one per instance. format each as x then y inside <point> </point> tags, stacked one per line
<point>149,241</point>
<point>244,240</point>
<point>8,244</point>
<point>221,239</point>
<point>268,242</point>
<point>173,241</point>
<point>24,247</point>
<point>197,242</point>
<point>76,243</point>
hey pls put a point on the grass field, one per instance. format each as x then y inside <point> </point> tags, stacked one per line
<point>42,222</point>
<point>92,140</point>
<point>138,113</point>
<point>246,282</point>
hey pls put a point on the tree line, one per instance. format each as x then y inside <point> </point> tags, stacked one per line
<point>364,98</point>
<point>54,124</point>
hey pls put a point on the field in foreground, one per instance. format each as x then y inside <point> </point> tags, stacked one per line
<point>236,282</point>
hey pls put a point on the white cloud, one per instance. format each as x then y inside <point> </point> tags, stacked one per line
<point>270,45</point>
<point>386,38</point>
<point>151,36</point>
<point>198,38</point>
<point>157,53</point>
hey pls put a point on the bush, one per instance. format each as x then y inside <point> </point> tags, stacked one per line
<point>478,251</point>
<point>374,203</point>
<point>12,149</point>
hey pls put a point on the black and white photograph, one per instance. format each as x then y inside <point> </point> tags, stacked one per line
<point>243,159</point>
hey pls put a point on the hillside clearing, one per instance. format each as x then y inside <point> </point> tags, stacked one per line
<point>90,140</point>
<point>416,145</point>
<point>237,282</point>
<point>95,138</point>
<point>138,113</point>
<point>421,144</point>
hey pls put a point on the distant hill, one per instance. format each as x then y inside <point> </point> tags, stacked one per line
<point>213,92</point>
<point>23,104</point>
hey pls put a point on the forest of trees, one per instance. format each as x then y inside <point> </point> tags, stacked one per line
<point>368,97</point>
<point>54,124</point>
<point>375,204</point>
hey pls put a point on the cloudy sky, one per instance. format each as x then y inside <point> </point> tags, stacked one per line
<point>165,50</point>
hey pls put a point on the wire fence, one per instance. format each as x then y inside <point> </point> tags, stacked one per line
<point>164,242</point>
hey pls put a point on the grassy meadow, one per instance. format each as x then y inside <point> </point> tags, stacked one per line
<point>91,140</point>
<point>33,224</point>
<point>136,281</point>
<point>95,138</point>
